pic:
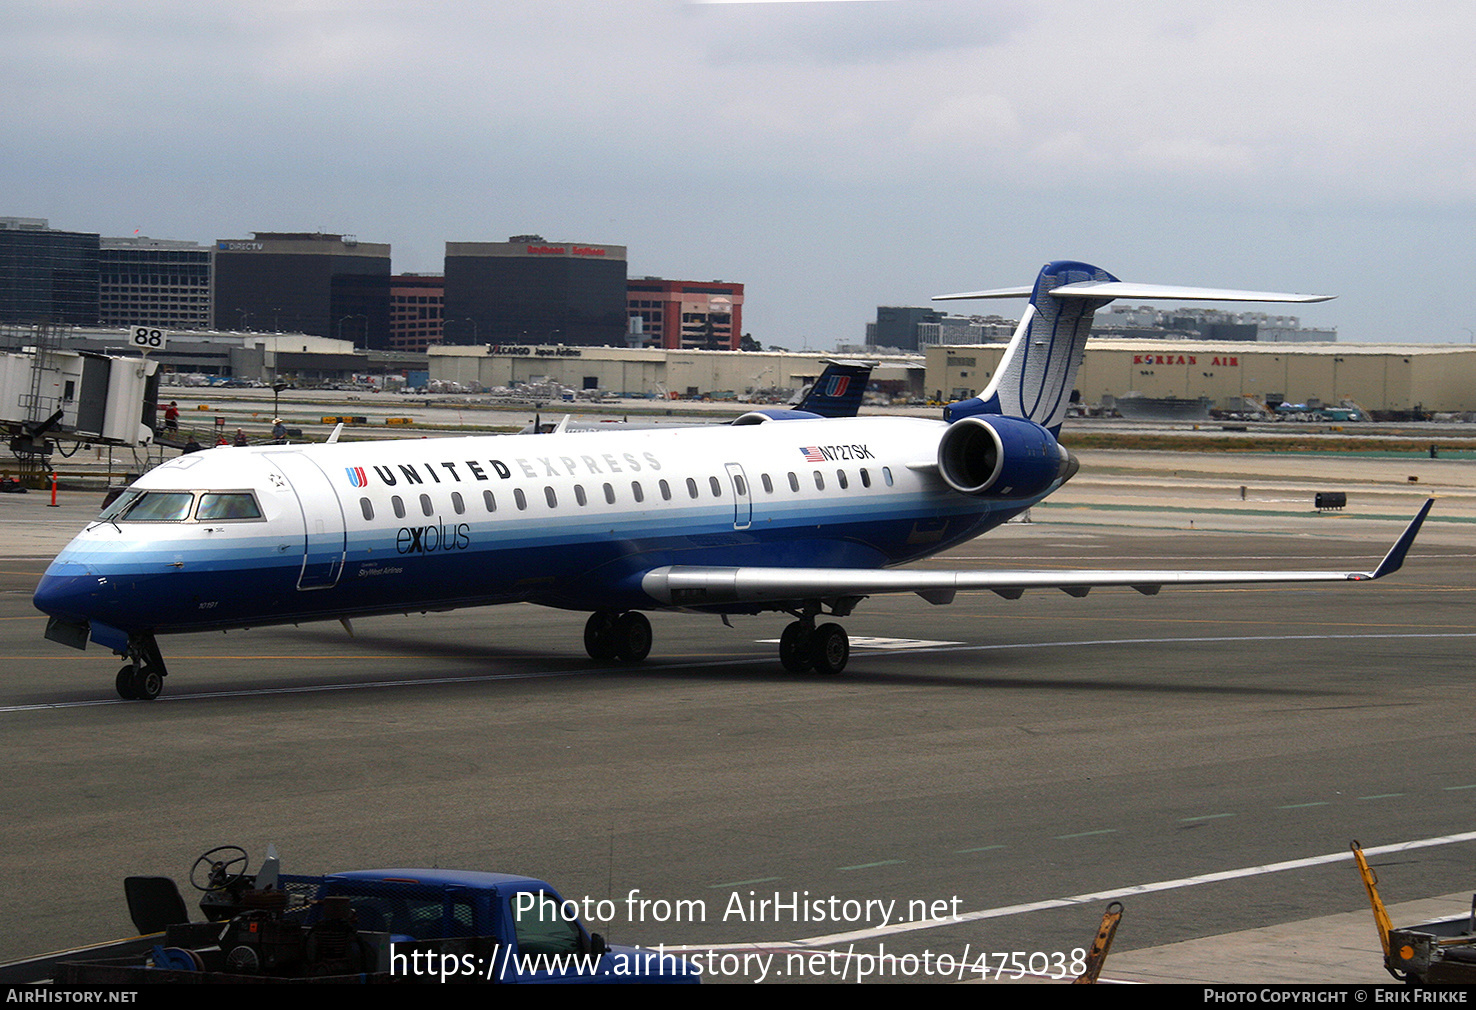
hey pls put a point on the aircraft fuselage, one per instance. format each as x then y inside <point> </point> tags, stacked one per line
<point>570,521</point>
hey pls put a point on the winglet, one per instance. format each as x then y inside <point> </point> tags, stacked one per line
<point>1395,558</point>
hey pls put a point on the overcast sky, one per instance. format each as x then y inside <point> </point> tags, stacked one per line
<point>832,156</point>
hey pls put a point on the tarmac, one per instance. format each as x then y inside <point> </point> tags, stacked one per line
<point>1157,497</point>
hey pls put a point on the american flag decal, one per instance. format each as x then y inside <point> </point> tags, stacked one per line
<point>812,453</point>
<point>356,476</point>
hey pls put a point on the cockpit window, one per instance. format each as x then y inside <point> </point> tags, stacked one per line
<point>217,505</point>
<point>136,506</point>
<point>119,505</point>
<point>157,507</point>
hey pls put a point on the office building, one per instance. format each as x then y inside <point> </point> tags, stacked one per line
<point>529,290</point>
<point>415,311</point>
<point>46,275</point>
<point>306,282</point>
<point>154,282</point>
<point>684,315</point>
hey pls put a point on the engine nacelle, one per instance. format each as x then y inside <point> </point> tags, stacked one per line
<point>1002,457</point>
<point>776,414</point>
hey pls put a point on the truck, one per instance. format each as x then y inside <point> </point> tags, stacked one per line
<point>400,924</point>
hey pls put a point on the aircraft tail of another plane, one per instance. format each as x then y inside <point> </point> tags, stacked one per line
<point>1037,374</point>
<point>838,391</point>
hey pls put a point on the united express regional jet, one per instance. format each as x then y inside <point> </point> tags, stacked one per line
<point>780,511</point>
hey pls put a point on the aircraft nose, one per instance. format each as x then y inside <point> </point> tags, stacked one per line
<point>71,597</point>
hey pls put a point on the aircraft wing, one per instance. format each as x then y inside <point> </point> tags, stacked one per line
<point>706,586</point>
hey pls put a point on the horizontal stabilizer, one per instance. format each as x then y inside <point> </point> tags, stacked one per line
<point>1024,292</point>
<point>1127,289</point>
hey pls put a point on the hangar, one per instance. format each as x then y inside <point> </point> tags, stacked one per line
<point>1376,377</point>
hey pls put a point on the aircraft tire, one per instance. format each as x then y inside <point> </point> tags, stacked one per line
<point>599,636</point>
<point>632,635</point>
<point>124,683</point>
<point>794,647</point>
<point>147,684</point>
<point>830,648</point>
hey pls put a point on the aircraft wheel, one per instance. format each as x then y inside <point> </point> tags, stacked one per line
<point>794,647</point>
<point>599,636</point>
<point>632,637</point>
<point>147,684</point>
<point>124,683</point>
<point>830,648</point>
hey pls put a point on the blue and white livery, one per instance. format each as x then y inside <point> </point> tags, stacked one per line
<point>796,514</point>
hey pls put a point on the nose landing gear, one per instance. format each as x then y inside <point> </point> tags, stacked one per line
<point>142,678</point>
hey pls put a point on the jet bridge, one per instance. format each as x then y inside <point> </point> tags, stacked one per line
<point>47,393</point>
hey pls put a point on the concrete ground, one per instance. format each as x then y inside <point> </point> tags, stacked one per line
<point>1204,756</point>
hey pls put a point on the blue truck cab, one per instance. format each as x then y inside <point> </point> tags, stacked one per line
<point>473,926</point>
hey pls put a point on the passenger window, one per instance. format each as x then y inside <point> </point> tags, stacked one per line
<point>794,482</point>
<point>819,481</point>
<point>609,495</point>
<point>457,503</point>
<point>579,497</point>
<point>399,506</point>
<point>637,492</point>
<point>887,475</point>
<point>489,501</point>
<point>768,484</point>
<point>865,477</point>
<point>520,499</point>
<point>691,488</point>
<point>665,490</point>
<point>840,478</point>
<point>550,497</point>
<point>426,507</point>
<point>216,505</point>
<point>367,507</point>
<point>716,485</point>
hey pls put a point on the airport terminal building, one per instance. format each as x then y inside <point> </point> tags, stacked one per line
<point>653,372</point>
<point>1398,378</point>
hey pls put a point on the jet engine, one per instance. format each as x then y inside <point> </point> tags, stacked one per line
<point>1002,457</point>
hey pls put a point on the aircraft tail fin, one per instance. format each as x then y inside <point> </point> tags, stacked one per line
<point>838,391</point>
<point>1036,376</point>
<point>1038,371</point>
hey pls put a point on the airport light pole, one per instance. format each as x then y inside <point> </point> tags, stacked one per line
<point>476,331</point>
<point>353,315</point>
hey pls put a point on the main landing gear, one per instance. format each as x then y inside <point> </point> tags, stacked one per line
<point>142,678</point>
<point>824,649</point>
<point>611,636</point>
<point>804,646</point>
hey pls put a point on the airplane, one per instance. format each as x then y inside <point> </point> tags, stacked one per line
<point>800,515</point>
